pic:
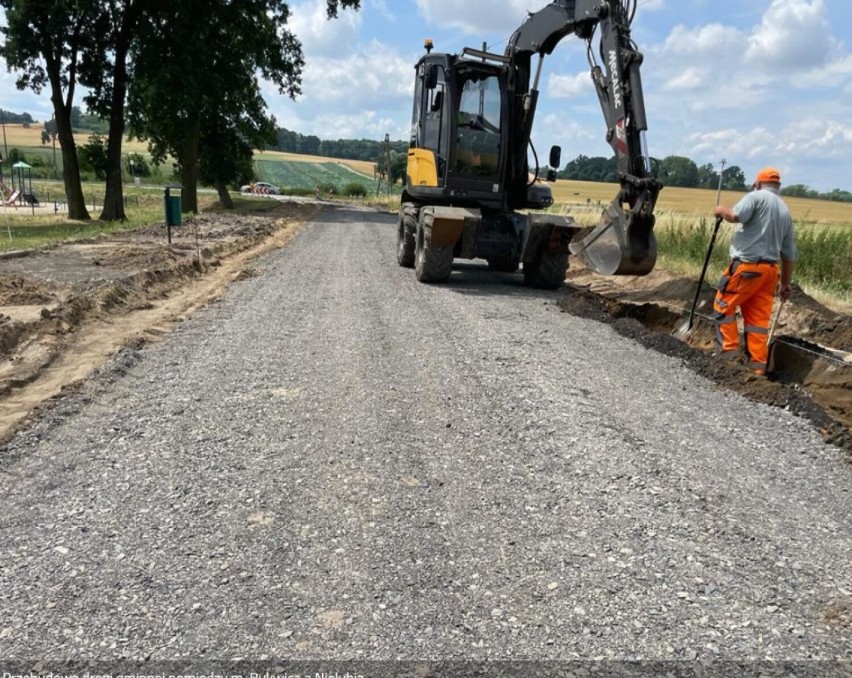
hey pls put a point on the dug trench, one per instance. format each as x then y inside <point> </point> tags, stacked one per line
<point>810,369</point>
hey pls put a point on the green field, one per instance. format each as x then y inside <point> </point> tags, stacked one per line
<point>308,176</point>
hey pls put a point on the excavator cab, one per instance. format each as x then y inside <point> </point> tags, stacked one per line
<point>457,146</point>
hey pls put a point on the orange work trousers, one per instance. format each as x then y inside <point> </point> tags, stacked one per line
<point>749,287</point>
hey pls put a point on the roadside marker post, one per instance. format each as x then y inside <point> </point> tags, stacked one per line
<point>171,204</point>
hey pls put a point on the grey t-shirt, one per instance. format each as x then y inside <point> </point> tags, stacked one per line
<point>765,230</point>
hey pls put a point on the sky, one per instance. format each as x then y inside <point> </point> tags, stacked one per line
<point>751,82</point>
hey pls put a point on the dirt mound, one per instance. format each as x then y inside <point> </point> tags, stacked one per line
<point>805,377</point>
<point>20,290</point>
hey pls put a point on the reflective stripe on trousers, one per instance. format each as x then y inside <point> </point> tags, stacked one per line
<point>751,288</point>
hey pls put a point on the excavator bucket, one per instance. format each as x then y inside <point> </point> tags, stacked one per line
<point>617,246</point>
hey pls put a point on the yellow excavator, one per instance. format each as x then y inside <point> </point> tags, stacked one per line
<point>469,186</point>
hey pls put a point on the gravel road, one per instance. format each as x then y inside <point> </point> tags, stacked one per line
<point>335,461</point>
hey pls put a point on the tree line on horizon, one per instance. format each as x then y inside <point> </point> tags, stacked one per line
<point>675,170</point>
<point>672,170</point>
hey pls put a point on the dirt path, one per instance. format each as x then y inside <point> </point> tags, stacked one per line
<point>67,309</point>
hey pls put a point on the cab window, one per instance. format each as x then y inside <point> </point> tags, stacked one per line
<point>478,126</point>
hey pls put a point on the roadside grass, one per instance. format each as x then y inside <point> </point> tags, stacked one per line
<point>823,269</point>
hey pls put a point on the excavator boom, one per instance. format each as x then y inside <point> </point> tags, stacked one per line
<point>623,242</point>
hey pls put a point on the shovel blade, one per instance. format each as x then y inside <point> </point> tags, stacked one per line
<point>616,246</point>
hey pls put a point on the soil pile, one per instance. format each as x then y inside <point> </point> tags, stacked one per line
<point>810,365</point>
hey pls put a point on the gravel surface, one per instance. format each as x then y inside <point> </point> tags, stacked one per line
<point>335,461</point>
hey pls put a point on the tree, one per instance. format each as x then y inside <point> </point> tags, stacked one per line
<point>225,149</point>
<point>583,168</point>
<point>679,171</point>
<point>707,177</point>
<point>44,42</point>
<point>48,135</point>
<point>191,57</point>
<point>105,72</point>
<point>734,179</point>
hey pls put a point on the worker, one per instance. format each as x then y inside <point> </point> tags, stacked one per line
<point>763,238</point>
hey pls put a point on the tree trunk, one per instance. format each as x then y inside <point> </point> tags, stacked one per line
<point>62,115</point>
<point>224,196</point>
<point>114,199</point>
<point>189,165</point>
<point>70,168</point>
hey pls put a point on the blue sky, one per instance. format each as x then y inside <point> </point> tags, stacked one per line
<point>755,82</point>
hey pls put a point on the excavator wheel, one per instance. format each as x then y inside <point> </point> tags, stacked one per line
<point>405,240</point>
<point>503,264</point>
<point>547,272</point>
<point>432,263</point>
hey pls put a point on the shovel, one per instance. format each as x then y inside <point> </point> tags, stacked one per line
<point>772,332</point>
<point>685,328</point>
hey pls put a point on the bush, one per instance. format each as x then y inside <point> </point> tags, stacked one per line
<point>16,155</point>
<point>137,165</point>
<point>354,189</point>
<point>93,157</point>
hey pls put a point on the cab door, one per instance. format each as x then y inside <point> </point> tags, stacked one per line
<point>430,137</point>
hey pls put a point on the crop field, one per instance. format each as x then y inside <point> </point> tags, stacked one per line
<point>28,140</point>
<point>695,201</point>
<point>361,166</point>
<point>293,174</point>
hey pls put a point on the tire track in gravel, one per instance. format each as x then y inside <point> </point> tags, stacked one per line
<point>336,461</point>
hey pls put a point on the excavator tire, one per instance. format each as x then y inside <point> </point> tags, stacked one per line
<point>547,272</point>
<point>432,263</point>
<point>406,232</point>
<point>503,264</point>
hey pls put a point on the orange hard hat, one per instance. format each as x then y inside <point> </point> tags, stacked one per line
<point>768,175</point>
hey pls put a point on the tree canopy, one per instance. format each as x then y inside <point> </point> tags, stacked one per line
<point>194,94</point>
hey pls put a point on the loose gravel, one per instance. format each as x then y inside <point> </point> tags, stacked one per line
<point>335,461</point>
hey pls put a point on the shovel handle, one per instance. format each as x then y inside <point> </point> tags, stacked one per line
<point>775,320</point>
<point>704,270</point>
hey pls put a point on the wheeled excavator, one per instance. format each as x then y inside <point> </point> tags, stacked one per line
<point>469,188</point>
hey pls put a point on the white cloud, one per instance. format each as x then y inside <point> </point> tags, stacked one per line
<point>689,78</point>
<point>710,41</point>
<point>478,16</point>
<point>321,36</point>
<point>373,74</point>
<point>794,35</point>
<point>837,73</point>
<point>569,86</point>
<point>816,138</point>
<point>382,8</point>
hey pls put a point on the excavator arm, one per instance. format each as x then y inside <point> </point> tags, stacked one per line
<point>623,242</point>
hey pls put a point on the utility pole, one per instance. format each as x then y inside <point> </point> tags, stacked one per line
<point>3,121</point>
<point>388,161</point>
